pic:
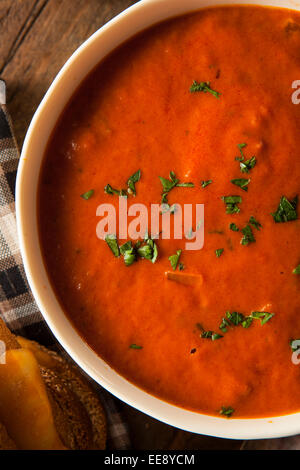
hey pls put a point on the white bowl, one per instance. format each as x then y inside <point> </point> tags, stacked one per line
<point>135,19</point>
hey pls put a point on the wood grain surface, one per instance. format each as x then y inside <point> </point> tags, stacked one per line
<point>36,38</point>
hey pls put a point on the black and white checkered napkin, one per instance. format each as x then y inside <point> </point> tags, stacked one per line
<point>17,306</point>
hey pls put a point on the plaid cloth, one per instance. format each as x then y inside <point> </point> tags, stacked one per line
<point>17,306</point>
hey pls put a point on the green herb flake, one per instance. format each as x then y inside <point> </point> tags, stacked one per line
<point>247,322</point>
<point>231,203</point>
<point>108,189</point>
<point>204,87</point>
<point>131,182</point>
<point>224,324</point>
<point>241,147</point>
<point>155,253</point>
<point>145,251</point>
<point>234,227</point>
<point>88,194</point>
<point>148,250</point>
<point>205,183</point>
<point>235,318</point>
<point>295,344</point>
<point>297,270</point>
<point>226,411</point>
<point>129,257</point>
<point>135,346</point>
<point>208,334</point>
<point>112,242</point>
<point>241,183</point>
<point>174,259</point>
<point>169,184</point>
<point>245,166</point>
<point>255,223</point>
<point>125,247</point>
<point>211,335</point>
<point>216,336</point>
<point>219,252</point>
<point>248,236</point>
<point>286,211</point>
<point>264,317</point>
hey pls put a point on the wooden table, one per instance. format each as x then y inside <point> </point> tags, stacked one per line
<point>37,37</point>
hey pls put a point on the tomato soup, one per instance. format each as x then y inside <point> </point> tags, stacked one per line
<point>195,110</point>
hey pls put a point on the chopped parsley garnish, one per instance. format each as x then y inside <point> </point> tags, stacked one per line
<point>297,270</point>
<point>240,147</point>
<point>148,250</point>
<point>245,166</point>
<point>286,211</point>
<point>223,325</point>
<point>211,335</point>
<point>135,346</point>
<point>112,242</point>
<point>144,249</point>
<point>171,183</point>
<point>231,319</point>
<point>87,195</point>
<point>208,334</point>
<point>236,319</point>
<point>131,182</point>
<point>129,256</point>
<point>241,183</point>
<point>255,223</point>
<point>234,227</point>
<point>248,165</point>
<point>203,86</point>
<point>247,322</point>
<point>226,411</point>
<point>181,267</point>
<point>174,259</point>
<point>125,247</point>
<point>205,183</point>
<point>248,236</point>
<point>264,317</point>
<point>219,252</point>
<point>231,203</point>
<point>108,189</point>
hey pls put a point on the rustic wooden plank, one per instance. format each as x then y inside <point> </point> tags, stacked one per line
<point>17,19</point>
<point>48,32</point>
<point>13,16</point>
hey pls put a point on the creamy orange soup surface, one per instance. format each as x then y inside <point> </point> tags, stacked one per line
<point>187,96</point>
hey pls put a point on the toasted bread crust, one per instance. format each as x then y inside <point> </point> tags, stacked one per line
<point>57,372</point>
<point>78,414</point>
<point>70,417</point>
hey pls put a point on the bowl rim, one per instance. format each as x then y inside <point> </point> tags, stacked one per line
<point>145,12</point>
